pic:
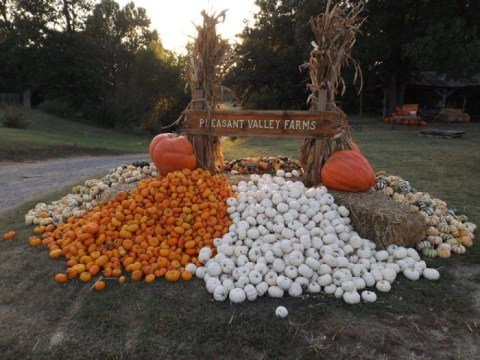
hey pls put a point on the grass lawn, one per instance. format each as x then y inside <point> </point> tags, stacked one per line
<point>49,136</point>
<point>416,320</point>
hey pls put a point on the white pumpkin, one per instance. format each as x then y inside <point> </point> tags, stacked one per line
<point>295,290</point>
<point>295,258</point>
<point>275,292</point>
<point>330,289</point>
<point>411,274</point>
<point>383,286</point>
<point>261,288</point>
<point>431,274</point>
<point>314,287</point>
<point>251,292</point>
<point>348,286</point>
<point>283,282</point>
<point>325,280</point>
<point>212,283</point>
<point>192,268</point>
<point>381,255</point>
<point>305,271</point>
<point>351,297</point>
<point>220,293</point>
<point>255,277</point>
<point>281,311</point>
<point>237,295</point>
<point>291,272</point>
<point>369,296</point>
<point>389,274</point>
<point>200,272</point>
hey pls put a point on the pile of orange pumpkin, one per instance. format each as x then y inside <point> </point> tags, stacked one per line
<point>155,230</point>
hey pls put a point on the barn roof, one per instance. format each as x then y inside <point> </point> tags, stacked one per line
<point>431,79</point>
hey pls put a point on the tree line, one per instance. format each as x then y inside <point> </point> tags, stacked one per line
<point>96,61</point>
<point>90,60</point>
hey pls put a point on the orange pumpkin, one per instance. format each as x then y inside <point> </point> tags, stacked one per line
<point>9,235</point>
<point>170,152</point>
<point>172,275</point>
<point>61,278</point>
<point>100,285</point>
<point>347,170</point>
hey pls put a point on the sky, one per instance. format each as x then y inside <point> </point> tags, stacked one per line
<point>174,19</point>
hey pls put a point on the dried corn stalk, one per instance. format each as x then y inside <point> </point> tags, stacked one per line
<point>210,58</point>
<point>334,31</point>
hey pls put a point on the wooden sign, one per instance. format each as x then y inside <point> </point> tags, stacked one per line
<point>275,123</point>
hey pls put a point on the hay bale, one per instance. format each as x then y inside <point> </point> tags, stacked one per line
<point>379,218</point>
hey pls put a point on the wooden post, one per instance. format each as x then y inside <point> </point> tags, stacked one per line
<point>203,145</point>
<point>311,176</point>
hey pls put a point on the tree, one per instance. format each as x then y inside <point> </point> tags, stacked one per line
<point>409,36</point>
<point>273,49</point>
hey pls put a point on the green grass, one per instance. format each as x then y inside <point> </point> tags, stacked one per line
<point>416,320</point>
<point>49,136</point>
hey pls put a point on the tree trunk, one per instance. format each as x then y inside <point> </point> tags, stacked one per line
<point>391,95</point>
<point>67,16</point>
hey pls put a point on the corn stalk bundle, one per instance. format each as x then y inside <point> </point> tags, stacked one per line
<point>334,31</point>
<point>210,58</point>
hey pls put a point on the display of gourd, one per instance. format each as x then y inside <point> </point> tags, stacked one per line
<point>286,239</point>
<point>85,197</point>
<point>447,233</point>
<point>264,164</point>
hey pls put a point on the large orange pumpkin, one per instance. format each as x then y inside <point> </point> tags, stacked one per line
<point>170,152</point>
<point>347,170</point>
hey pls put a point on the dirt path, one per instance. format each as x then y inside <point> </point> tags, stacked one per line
<point>22,182</point>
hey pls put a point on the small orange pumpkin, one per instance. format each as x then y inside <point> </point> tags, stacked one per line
<point>9,235</point>
<point>61,278</point>
<point>100,285</point>
<point>347,170</point>
<point>172,275</point>
<point>170,152</point>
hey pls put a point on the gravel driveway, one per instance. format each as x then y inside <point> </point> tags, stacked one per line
<point>22,182</point>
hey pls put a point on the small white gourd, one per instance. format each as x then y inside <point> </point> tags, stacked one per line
<point>369,296</point>
<point>220,293</point>
<point>284,282</point>
<point>295,289</point>
<point>200,272</point>
<point>275,292</point>
<point>411,274</point>
<point>281,311</point>
<point>351,297</point>
<point>431,274</point>
<point>251,292</point>
<point>330,289</point>
<point>261,288</point>
<point>237,295</point>
<point>314,287</point>
<point>383,286</point>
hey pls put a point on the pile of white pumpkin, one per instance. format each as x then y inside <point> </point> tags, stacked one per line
<point>289,239</point>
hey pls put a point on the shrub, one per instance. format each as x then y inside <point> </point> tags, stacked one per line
<point>14,118</point>
<point>57,107</point>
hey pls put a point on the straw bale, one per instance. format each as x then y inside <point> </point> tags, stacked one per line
<point>379,218</point>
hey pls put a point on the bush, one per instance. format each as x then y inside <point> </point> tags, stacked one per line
<point>57,107</point>
<point>14,118</point>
